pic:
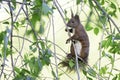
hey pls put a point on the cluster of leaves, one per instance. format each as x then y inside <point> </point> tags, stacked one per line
<point>33,63</point>
<point>37,11</point>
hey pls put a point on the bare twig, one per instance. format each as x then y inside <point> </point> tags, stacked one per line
<point>48,26</point>
<point>18,2</point>
<point>63,71</point>
<point>54,48</point>
<point>39,39</point>
<point>100,51</point>
<point>11,34</point>
<point>102,36</point>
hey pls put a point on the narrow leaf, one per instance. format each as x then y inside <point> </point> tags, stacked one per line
<point>96,31</point>
<point>17,69</point>
<point>41,29</point>
<point>71,64</point>
<point>91,72</point>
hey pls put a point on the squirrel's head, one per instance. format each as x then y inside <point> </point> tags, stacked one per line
<point>74,21</point>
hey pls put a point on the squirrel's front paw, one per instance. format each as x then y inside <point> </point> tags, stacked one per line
<point>68,40</point>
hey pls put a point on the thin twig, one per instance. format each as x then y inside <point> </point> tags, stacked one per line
<point>18,2</point>
<point>48,26</point>
<point>110,26</point>
<point>39,39</point>
<point>11,34</point>
<point>12,31</point>
<point>76,58</point>
<point>54,48</point>
<point>63,71</point>
<point>100,51</point>
<point>102,36</point>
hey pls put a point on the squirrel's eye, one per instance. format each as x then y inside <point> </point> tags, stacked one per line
<point>72,21</point>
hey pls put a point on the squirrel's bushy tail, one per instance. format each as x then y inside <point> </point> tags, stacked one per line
<point>70,64</point>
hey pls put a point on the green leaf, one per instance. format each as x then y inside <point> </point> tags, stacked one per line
<point>17,69</point>
<point>71,63</point>
<point>103,70</point>
<point>25,71</point>
<point>78,1</point>
<point>103,43</point>
<point>0,55</point>
<point>102,19</point>
<point>91,72</point>
<point>6,9</point>
<point>108,42</point>
<point>16,25</point>
<point>34,49</point>
<point>112,5</point>
<point>42,43</point>
<point>38,3</point>
<point>53,73</point>
<point>2,35</point>
<point>119,9</point>
<point>88,78</point>
<point>90,3</point>
<point>36,16</point>
<point>14,3</point>
<point>46,9</point>
<point>119,76</point>
<point>117,36</point>
<point>6,22</point>
<point>41,29</point>
<point>102,2</point>
<point>96,31</point>
<point>115,78</point>
<point>84,72</point>
<point>88,27</point>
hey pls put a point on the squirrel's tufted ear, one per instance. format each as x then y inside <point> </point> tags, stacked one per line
<point>77,17</point>
<point>72,15</point>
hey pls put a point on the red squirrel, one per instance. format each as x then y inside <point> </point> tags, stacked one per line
<point>79,37</point>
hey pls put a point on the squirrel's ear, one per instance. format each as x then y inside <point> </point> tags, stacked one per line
<point>77,17</point>
<point>72,14</point>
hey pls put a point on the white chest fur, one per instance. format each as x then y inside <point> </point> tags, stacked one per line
<point>78,47</point>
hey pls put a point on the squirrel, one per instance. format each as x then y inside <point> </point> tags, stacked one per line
<point>80,40</point>
<point>79,35</point>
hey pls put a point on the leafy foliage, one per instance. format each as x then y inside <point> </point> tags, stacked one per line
<point>25,48</point>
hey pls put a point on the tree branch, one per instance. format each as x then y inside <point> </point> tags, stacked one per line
<point>107,15</point>
<point>11,35</point>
